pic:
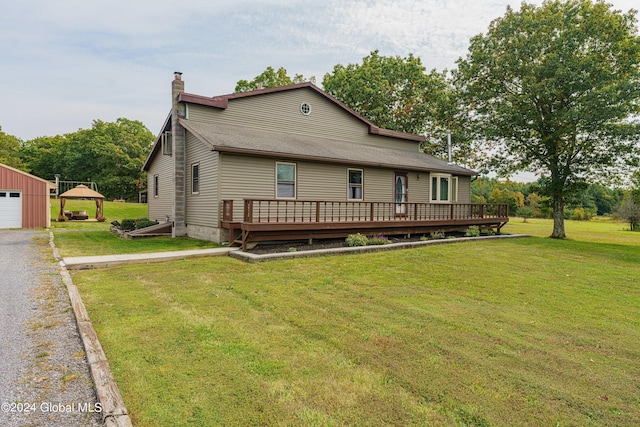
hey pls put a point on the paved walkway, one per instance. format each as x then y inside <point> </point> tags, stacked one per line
<point>103,261</point>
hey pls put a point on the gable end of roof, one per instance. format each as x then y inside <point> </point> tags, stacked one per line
<point>222,102</point>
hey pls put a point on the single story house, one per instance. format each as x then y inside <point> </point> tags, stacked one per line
<point>24,199</point>
<point>293,162</point>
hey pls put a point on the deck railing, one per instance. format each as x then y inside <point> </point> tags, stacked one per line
<point>319,211</point>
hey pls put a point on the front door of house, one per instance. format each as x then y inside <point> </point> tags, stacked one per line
<point>400,193</point>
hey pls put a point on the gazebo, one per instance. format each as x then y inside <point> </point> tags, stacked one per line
<point>82,192</point>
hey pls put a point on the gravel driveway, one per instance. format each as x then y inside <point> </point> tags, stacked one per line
<point>44,376</point>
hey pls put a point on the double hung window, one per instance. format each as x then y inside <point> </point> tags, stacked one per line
<point>156,191</point>
<point>285,180</point>
<point>195,178</point>
<point>167,146</point>
<point>354,191</point>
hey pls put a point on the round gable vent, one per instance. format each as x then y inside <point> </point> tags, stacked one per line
<point>305,109</point>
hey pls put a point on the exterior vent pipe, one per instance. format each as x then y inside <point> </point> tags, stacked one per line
<point>449,147</point>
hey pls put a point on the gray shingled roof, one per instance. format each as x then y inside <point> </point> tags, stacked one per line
<point>226,138</point>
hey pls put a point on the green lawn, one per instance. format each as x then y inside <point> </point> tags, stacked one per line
<point>113,211</point>
<point>84,238</point>
<point>529,331</point>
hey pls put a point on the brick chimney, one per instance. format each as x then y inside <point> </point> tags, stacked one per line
<point>179,158</point>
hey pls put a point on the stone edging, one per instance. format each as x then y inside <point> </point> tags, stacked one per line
<point>114,412</point>
<point>249,257</point>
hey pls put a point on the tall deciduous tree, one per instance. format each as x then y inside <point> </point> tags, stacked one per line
<point>629,211</point>
<point>10,150</point>
<point>110,154</point>
<point>45,156</point>
<point>270,78</point>
<point>554,90</point>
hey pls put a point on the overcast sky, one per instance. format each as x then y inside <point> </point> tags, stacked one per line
<point>65,63</point>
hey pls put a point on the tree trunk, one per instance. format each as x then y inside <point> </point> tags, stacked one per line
<point>558,217</point>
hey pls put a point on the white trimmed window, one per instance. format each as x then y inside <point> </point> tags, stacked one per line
<point>355,184</point>
<point>167,147</point>
<point>195,178</point>
<point>444,188</point>
<point>454,189</point>
<point>156,192</point>
<point>285,180</point>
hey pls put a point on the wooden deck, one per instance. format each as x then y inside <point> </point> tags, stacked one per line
<point>268,219</point>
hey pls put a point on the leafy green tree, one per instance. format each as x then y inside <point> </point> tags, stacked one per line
<point>553,90</point>
<point>635,186</point>
<point>392,92</point>
<point>45,156</point>
<point>535,202</point>
<point>514,199</point>
<point>110,154</point>
<point>10,150</point>
<point>525,212</point>
<point>599,198</point>
<point>629,211</point>
<point>270,78</point>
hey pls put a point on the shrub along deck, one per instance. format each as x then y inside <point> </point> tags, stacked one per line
<point>443,335</point>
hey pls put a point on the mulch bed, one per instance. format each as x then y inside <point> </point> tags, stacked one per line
<point>303,245</point>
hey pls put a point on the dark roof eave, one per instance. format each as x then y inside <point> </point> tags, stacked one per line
<point>156,145</point>
<point>375,130</point>
<point>217,102</point>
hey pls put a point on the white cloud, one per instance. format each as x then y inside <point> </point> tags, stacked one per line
<point>67,62</point>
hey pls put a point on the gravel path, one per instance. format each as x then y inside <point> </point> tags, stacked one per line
<point>44,376</point>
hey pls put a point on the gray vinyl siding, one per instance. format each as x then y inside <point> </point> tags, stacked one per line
<point>246,177</point>
<point>202,208</point>
<point>322,181</point>
<point>464,189</point>
<point>418,187</point>
<point>281,112</point>
<point>160,207</point>
<point>378,185</point>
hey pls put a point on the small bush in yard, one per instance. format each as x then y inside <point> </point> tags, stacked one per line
<point>472,231</point>
<point>136,224</point>
<point>525,212</point>
<point>378,239</point>
<point>144,222</point>
<point>436,235</point>
<point>128,224</point>
<point>356,240</point>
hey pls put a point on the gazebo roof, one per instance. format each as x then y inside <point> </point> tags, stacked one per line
<point>82,192</point>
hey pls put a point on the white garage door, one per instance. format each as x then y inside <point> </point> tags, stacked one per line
<point>10,209</point>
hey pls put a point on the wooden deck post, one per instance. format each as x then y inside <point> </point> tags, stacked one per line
<point>227,214</point>
<point>248,211</point>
